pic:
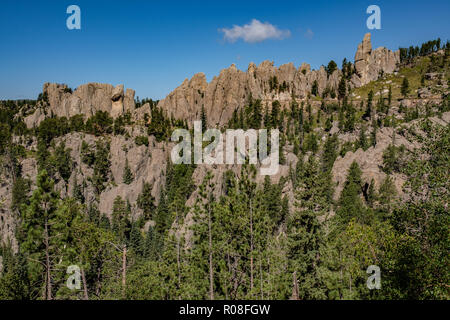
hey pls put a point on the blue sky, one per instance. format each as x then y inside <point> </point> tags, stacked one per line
<point>152,46</point>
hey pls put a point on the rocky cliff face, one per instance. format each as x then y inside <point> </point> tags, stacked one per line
<point>225,93</point>
<point>87,99</point>
<point>370,64</point>
<point>232,88</point>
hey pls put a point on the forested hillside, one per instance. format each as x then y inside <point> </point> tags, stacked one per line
<point>364,180</point>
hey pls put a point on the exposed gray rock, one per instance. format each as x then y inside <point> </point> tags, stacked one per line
<point>147,164</point>
<point>87,99</point>
<point>117,101</point>
<point>424,93</point>
<point>369,161</point>
<point>232,88</point>
<point>128,101</point>
<point>139,114</point>
<point>34,119</point>
<point>433,76</point>
<point>370,64</point>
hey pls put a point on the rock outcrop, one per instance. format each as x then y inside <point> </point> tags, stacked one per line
<point>369,161</point>
<point>87,99</point>
<point>370,64</point>
<point>147,165</point>
<point>233,87</point>
<point>228,91</point>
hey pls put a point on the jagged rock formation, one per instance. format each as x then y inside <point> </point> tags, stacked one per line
<point>226,92</point>
<point>370,63</point>
<point>232,88</point>
<point>86,100</point>
<point>370,160</point>
<point>147,164</point>
<point>7,219</point>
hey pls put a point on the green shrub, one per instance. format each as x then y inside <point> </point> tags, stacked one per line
<point>76,123</point>
<point>99,124</point>
<point>141,140</point>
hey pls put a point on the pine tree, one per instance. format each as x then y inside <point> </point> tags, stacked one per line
<point>330,153</point>
<point>373,134</point>
<point>350,122</point>
<point>37,232</point>
<point>63,161</point>
<point>341,117</point>
<point>234,120</point>
<point>310,117</point>
<point>20,190</point>
<point>368,113</point>
<point>92,247</point>
<point>136,239</point>
<point>257,115</point>
<point>102,164</point>
<point>390,95</point>
<point>94,214</point>
<point>405,87</point>
<point>371,193</point>
<point>205,235</point>
<point>329,123</point>
<point>266,117</point>
<point>315,88</point>
<point>305,235</point>
<point>342,89</point>
<point>350,204</point>
<point>363,139</point>
<point>120,219</point>
<point>387,193</point>
<point>151,244</point>
<point>203,119</point>
<point>275,114</point>
<point>332,66</point>
<point>300,119</point>
<point>78,190</point>
<point>127,174</point>
<point>14,279</point>
<point>146,202</point>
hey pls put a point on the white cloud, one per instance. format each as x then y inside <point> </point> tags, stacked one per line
<point>255,31</point>
<point>309,34</point>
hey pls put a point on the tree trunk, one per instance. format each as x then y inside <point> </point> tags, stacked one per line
<point>48,281</point>
<point>211,276</point>
<point>261,279</point>
<point>178,255</point>
<point>295,295</point>
<point>251,247</point>
<point>98,285</point>
<point>83,277</point>
<point>178,263</point>
<point>350,283</point>
<point>124,270</point>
